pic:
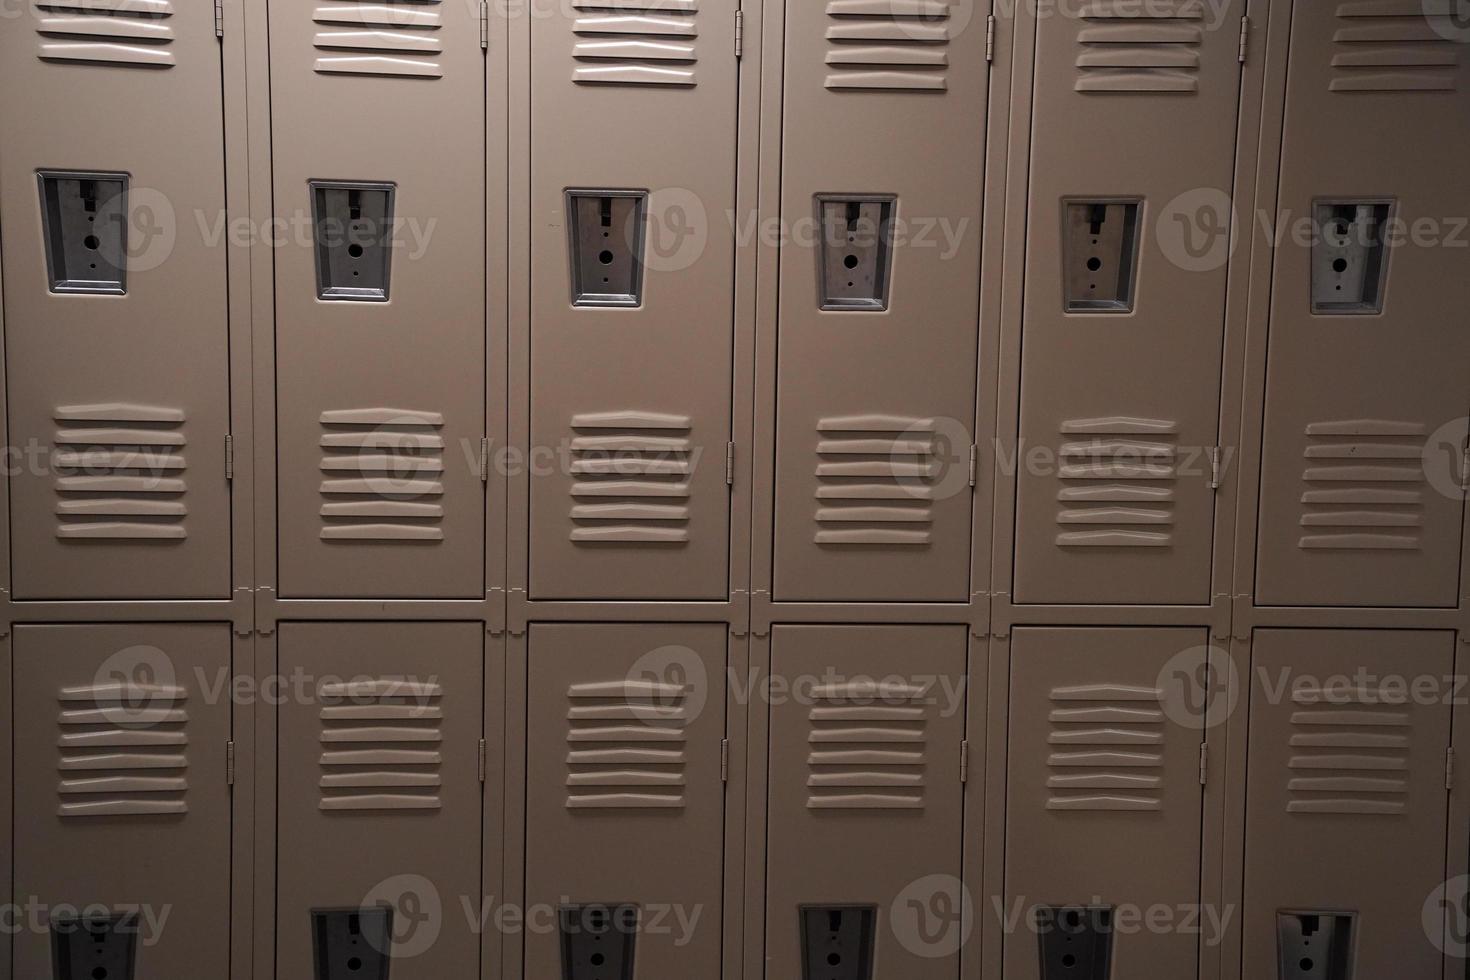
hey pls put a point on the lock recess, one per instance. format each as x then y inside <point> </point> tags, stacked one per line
<point>837,941</point>
<point>598,941</point>
<point>1349,266</point>
<point>1315,945</point>
<point>86,231</point>
<point>94,947</point>
<point>353,225</point>
<point>605,231</point>
<point>352,944</point>
<point>1100,249</point>
<point>1076,942</point>
<point>856,250</point>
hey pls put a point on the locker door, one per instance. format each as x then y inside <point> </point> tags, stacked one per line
<point>881,180</point>
<point>1345,820</point>
<point>625,804</point>
<point>377,144</point>
<point>1368,356</point>
<point>866,814</point>
<point>379,798</point>
<point>632,303</point>
<point>1103,798</point>
<point>121,798</point>
<point>116,314</point>
<point>1125,301</point>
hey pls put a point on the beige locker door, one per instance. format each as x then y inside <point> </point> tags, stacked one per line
<point>379,789</point>
<point>624,801</point>
<point>116,316</point>
<point>120,789</point>
<point>1135,105</point>
<point>865,801</point>
<point>630,397</point>
<point>1346,796</point>
<point>1103,793</point>
<point>875,374</point>
<point>380,390</point>
<point>1364,410</point>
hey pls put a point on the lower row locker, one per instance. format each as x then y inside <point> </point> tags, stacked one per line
<point>625,801</point>
<point>380,801</point>
<point>1104,802</point>
<point>122,805</point>
<point>1346,803</point>
<point>865,822</point>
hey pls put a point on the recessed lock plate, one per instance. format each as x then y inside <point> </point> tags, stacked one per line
<point>1100,255</point>
<point>1349,265</point>
<point>86,231</point>
<point>1076,942</point>
<point>352,944</point>
<point>598,941</point>
<point>606,230</point>
<point>94,948</point>
<point>837,942</point>
<point>353,227</point>
<point>856,254</point>
<point>1315,945</point>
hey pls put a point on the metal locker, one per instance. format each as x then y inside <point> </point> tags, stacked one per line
<point>1364,457</point>
<point>1104,800</point>
<point>865,819</point>
<point>625,804</point>
<point>379,800</point>
<point>882,154</point>
<point>1346,802</point>
<point>122,808</point>
<point>632,298</point>
<point>378,153</point>
<point>116,314</point>
<point>1124,319</point>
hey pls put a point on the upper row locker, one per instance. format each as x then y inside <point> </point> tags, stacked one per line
<point>117,345</point>
<point>378,154</point>
<point>1132,163</point>
<point>882,161</point>
<point>632,252</point>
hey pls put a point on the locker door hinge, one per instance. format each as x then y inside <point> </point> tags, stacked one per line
<point>484,25</point>
<point>1245,37</point>
<point>1215,468</point>
<point>724,760</point>
<point>482,760</point>
<point>1449,768</point>
<point>990,40</point>
<point>1465,469</point>
<point>1204,763</point>
<point>739,33</point>
<point>974,462</point>
<point>219,18</point>
<point>230,763</point>
<point>729,464</point>
<point>484,460</point>
<point>229,457</point>
<point>965,761</point>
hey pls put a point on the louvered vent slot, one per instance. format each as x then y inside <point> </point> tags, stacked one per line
<point>1395,46</point>
<point>893,45</point>
<point>626,745</point>
<point>1119,479</point>
<point>1133,47</point>
<point>867,747</point>
<point>635,42</point>
<point>1363,486</point>
<point>123,751</point>
<point>876,479</point>
<point>383,472</point>
<point>381,744</point>
<point>1106,749</point>
<point>395,39</point>
<point>631,475</point>
<point>125,33</point>
<point>120,473</point>
<point>1350,753</point>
